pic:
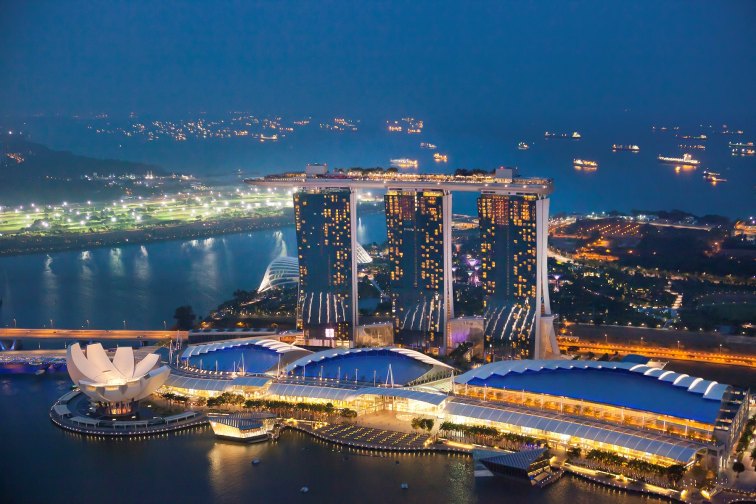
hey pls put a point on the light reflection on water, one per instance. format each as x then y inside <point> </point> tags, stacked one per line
<point>192,466</point>
<point>142,284</point>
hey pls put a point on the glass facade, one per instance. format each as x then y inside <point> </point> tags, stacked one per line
<point>323,222</point>
<point>509,269</point>
<point>415,229</point>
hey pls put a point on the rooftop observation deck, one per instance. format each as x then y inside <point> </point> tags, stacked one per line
<point>501,181</point>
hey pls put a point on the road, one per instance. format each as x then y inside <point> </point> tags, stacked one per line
<point>649,350</point>
<point>90,334</point>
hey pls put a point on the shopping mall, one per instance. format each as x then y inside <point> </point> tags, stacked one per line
<point>637,409</point>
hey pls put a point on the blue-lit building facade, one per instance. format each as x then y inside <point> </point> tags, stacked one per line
<point>419,275</point>
<point>327,299</point>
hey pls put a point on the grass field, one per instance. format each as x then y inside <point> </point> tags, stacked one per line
<point>140,214</point>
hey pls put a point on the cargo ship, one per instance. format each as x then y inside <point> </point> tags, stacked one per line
<point>426,145</point>
<point>686,159</point>
<point>584,164</point>
<point>692,146</point>
<point>404,163</point>
<point>630,148</point>
<point>713,177</point>
<point>523,146</point>
<point>574,136</point>
<point>440,158</point>
<point>745,151</point>
<point>740,145</point>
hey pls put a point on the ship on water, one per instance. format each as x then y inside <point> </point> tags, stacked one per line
<point>740,145</point>
<point>745,151</point>
<point>523,146</point>
<point>742,148</point>
<point>686,160</point>
<point>574,136</point>
<point>404,163</point>
<point>426,145</point>
<point>440,158</point>
<point>713,177</point>
<point>629,148</point>
<point>692,146</point>
<point>584,164</point>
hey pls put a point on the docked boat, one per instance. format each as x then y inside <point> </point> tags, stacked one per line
<point>440,158</point>
<point>404,163</point>
<point>629,148</point>
<point>686,160</point>
<point>584,164</point>
<point>523,146</point>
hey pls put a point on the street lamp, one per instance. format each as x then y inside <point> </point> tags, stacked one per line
<point>678,344</point>
<point>51,323</point>
<point>14,323</point>
<point>165,325</point>
<point>87,321</point>
<point>124,324</point>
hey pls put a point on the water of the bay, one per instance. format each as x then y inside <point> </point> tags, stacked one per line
<point>42,463</point>
<point>140,286</point>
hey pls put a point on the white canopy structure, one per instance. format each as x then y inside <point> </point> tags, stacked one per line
<point>121,380</point>
<point>283,271</point>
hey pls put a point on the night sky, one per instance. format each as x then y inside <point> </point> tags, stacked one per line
<point>677,59</point>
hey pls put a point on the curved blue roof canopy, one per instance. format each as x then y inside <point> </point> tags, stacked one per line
<point>620,384</point>
<point>366,365</point>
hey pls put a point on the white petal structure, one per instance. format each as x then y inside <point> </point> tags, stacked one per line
<point>118,381</point>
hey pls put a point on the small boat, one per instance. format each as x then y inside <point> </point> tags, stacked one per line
<point>304,489</point>
<point>576,135</point>
<point>523,146</point>
<point>404,486</point>
<point>256,462</point>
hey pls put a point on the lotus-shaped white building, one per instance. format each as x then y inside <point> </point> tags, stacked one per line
<point>117,383</point>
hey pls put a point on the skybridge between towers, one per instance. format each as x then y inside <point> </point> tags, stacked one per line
<point>513,213</point>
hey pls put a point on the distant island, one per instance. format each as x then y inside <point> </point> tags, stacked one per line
<point>31,172</point>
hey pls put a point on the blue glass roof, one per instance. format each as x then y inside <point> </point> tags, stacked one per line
<point>364,365</point>
<point>617,387</point>
<point>257,359</point>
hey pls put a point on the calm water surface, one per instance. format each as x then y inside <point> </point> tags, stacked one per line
<point>41,463</point>
<point>143,284</point>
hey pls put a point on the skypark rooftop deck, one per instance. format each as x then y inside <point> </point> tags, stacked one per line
<point>499,181</point>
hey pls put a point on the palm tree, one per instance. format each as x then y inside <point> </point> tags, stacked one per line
<point>738,467</point>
